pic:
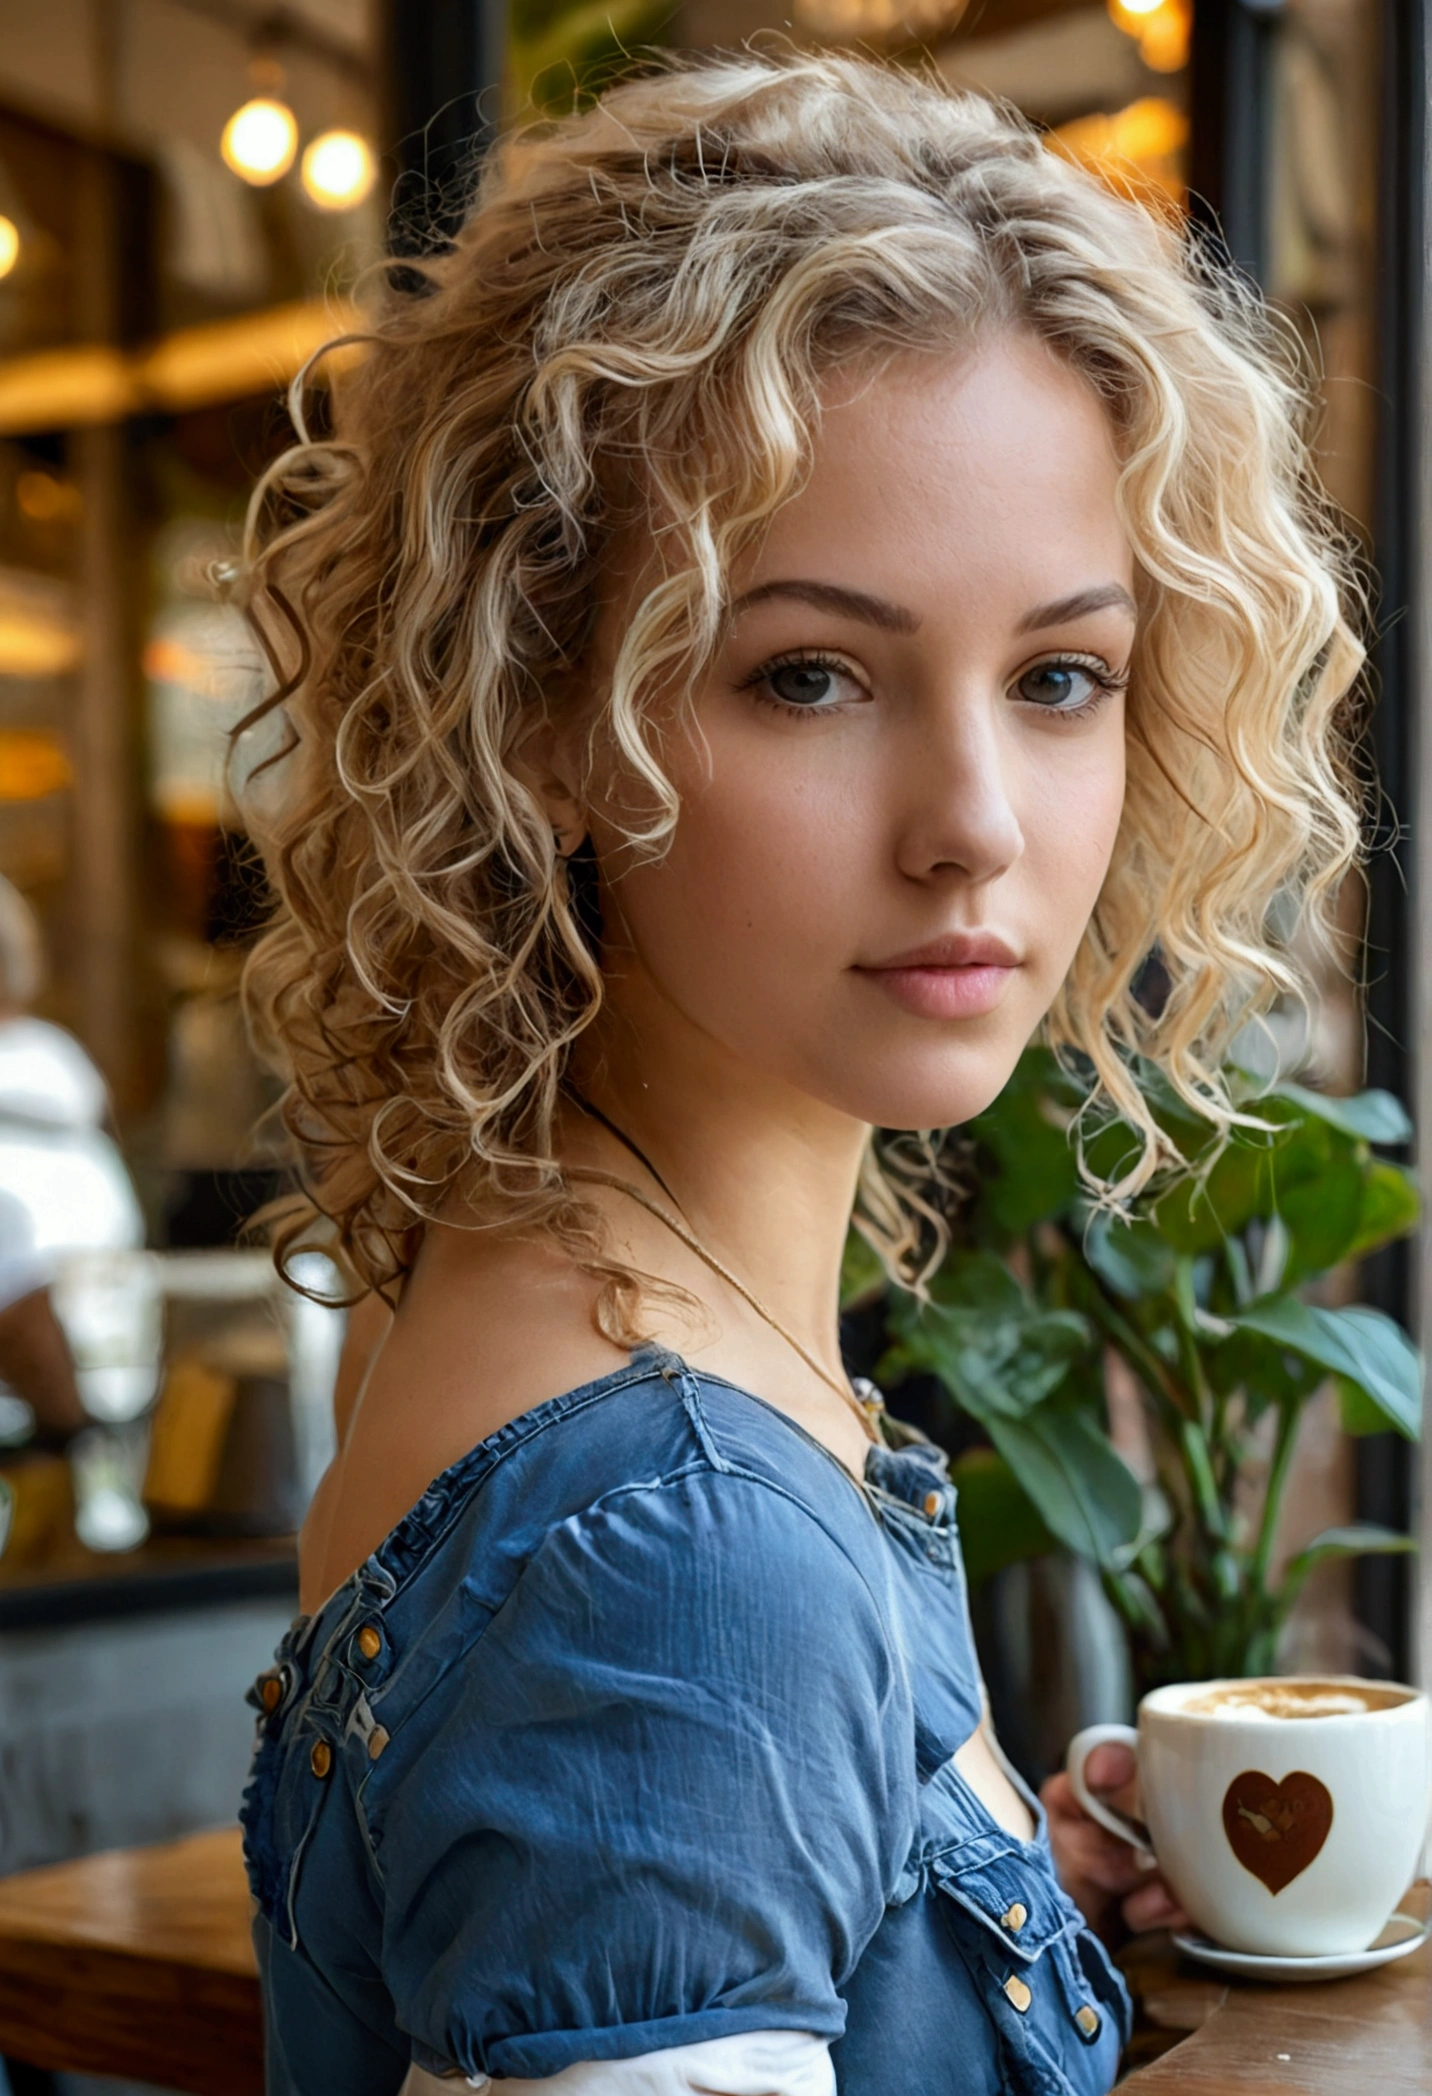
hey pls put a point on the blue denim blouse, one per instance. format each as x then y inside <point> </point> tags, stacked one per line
<point>637,1731</point>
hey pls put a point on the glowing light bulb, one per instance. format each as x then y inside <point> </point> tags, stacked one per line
<point>260,140</point>
<point>9,245</point>
<point>338,170</point>
<point>1163,37</point>
<point>1123,10</point>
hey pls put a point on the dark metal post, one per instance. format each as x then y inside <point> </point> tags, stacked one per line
<point>446,62</point>
<point>1232,65</point>
<point>1231,80</point>
<point>1385,1469</point>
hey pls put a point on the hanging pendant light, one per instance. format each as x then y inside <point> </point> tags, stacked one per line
<point>338,170</point>
<point>17,229</point>
<point>260,140</point>
<point>261,137</point>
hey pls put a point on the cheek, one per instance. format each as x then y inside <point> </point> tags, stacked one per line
<point>754,906</point>
<point>1071,832</point>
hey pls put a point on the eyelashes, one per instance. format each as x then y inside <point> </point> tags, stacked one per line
<point>808,674</point>
<point>811,665</point>
<point>1103,682</point>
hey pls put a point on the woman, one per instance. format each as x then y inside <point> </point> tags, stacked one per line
<point>817,589</point>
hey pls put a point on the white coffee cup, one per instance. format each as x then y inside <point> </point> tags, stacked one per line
<point>1288,1815</point>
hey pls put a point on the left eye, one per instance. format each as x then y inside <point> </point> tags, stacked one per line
<point>805,684</point>
<point>1060,687</point>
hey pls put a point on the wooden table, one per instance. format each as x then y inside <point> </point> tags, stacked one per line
<point>1370,2036</point>
<point>139,1964</point>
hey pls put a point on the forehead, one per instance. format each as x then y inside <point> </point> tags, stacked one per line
<point>981,471</point>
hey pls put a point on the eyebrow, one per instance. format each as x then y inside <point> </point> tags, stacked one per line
<point>1103,596</point>
<point>832,596</point>
<point>895,618</point>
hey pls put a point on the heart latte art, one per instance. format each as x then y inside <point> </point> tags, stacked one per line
<point>1276,1829</point>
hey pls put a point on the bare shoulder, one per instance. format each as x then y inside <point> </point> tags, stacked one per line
<point>488,1327</point>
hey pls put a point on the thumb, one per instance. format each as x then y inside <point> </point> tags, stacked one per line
<point>1110,1767</point>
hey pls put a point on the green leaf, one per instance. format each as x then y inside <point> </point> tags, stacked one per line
<point>1367,1349</point>
<point>1322,1214</point>
<point>978,1281</point>
<point>997,1363</point>
<point>999,1523</point>
<point>1264,1370</point>
<point>1359,1539</point>
<point>1129,1258</point>
<point>1358,1413</point>
<point>1035,1174</point>
<point>1198,1213</point>
<point>1372,1117</point>
<point>1086,1494</point>
<point>862,1275</point>
<point>1391,1204</point>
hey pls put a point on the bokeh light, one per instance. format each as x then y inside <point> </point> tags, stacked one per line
<point>260,140</point>
<point>338,170</point>
<point>1161,29</point>
<point>9,245</point>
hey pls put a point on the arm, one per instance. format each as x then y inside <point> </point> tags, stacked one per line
<point>35,1361</point>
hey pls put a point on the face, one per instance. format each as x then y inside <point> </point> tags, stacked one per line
<point>909,772</point>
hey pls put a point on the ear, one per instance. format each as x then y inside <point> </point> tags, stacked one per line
<point>544,759</point>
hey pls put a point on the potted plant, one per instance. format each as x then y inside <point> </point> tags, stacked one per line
<point>1202,1291</point>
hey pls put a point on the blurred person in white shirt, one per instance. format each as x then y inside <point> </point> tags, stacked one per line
<point>64,1186</point>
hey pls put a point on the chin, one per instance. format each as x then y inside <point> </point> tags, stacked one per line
<point>923,1091</point>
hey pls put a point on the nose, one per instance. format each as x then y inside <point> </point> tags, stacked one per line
<point>960,816</point>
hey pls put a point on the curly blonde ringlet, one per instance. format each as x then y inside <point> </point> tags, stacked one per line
<point>632,331</point>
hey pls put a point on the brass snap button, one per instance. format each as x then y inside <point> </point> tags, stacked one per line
<point>377,1740</point>
<point>933,1503</point>
<point>271,1694</point>
<point>370,1642</point>
<point>1014,1918</point>
<point>1018,1993</point>
<point>320,1758</point>
<point>1087,2020</point>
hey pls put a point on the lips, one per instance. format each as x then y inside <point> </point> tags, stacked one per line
<point>952,950</point>
<point>961,975</point>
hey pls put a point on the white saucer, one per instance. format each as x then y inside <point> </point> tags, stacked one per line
<point>1402,1935</point>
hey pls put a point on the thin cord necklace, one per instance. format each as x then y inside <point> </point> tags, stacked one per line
<point>867,1408</point>
<point>595,1113</point>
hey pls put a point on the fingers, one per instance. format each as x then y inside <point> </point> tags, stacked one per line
<point>1111,1865</point>
<point>1153,1906</point>
<point>1058,1799</point>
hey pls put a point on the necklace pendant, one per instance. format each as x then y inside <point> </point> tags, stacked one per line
<point>871,1403</point>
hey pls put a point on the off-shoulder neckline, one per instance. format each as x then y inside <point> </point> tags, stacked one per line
<point>523,1425</point>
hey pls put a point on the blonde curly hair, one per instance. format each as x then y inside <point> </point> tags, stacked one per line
<point>632,329</point>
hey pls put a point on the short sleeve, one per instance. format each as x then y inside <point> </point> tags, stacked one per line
<point>662,1799</point>
<point>22,1268</point>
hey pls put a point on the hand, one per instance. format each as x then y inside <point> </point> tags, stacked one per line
<point>1102,1874</point>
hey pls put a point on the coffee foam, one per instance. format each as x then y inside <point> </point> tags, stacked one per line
<point>1283,1700</point>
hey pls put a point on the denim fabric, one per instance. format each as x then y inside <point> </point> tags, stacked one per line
<point>637,1731</point>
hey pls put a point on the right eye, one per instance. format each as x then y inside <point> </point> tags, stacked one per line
<point>806,684</point>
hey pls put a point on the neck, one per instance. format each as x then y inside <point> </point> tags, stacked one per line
<point>765,1175</point>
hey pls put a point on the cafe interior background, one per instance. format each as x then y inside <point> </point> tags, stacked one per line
<point>188,191</point>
